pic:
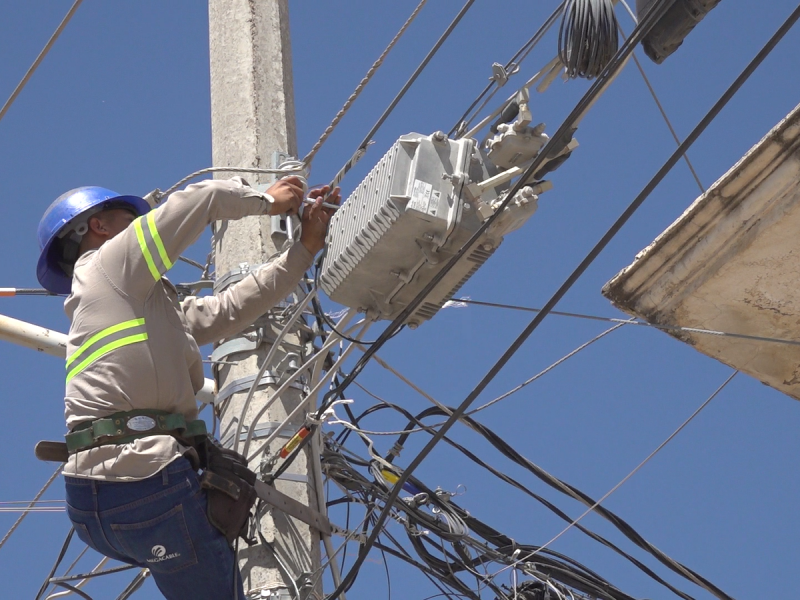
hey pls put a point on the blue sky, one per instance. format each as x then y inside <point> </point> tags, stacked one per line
<point>122,101</point>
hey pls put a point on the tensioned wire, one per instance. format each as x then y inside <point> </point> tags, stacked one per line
<point>40,58</point>
<point>658,102</point>
<point>503,396</point>
<point>668,328</point>
<point>644,26</point>
<point>632,473</point>
<point>362,147</point>
<point>361,85</point>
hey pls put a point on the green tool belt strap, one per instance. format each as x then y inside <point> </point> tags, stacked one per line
<point>124,427</point>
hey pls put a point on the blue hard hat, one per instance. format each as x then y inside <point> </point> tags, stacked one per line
<point>61,219</point>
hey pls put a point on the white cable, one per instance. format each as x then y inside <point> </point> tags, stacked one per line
<point>318,355</point>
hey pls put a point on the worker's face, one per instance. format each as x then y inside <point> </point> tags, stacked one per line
<point>113,222</point>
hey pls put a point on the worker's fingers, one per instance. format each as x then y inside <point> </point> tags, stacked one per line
<point>333,198</point>
<point>319,192</point>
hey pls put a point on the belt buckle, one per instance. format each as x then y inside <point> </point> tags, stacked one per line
<point>141,423</point>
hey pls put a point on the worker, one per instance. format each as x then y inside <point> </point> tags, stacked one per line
<point>134,365</point>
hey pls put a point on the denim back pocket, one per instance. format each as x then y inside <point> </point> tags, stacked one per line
<point>163,543</point>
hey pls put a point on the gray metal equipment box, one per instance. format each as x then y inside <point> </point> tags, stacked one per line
<point>402,225</point>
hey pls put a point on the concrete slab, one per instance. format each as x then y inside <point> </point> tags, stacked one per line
<point>731,263</point>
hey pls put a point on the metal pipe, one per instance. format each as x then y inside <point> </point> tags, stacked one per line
<point>54,343</point>
<point>32,336</point>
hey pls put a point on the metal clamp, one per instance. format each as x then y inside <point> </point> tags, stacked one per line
<point>350,535</point>
<point>234,276</point>
<point>260,431</point>
<point>244,383</point>
<point>245,343</point>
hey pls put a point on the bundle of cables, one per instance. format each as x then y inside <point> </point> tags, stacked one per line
<point>451,544</point>
<point>588,38</point>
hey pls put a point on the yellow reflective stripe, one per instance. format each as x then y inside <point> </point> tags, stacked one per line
<point>151,223</point>
<point>131,339</point>
<point>137,224</point>
<point>104,333</point>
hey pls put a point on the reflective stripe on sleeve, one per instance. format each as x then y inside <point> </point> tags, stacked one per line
<point>152,246</point>
<point>100,344</point>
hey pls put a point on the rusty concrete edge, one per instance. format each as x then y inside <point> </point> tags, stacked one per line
<point>618,291</point>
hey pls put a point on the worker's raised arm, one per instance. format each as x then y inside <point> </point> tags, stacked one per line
<point>212,318</point>
<point>136,259</point>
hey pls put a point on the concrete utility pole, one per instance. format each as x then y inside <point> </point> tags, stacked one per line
<point>252,117</point>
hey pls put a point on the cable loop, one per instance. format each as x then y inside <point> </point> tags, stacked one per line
<point>587,39</point>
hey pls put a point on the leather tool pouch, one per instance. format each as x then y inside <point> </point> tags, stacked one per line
<point>229,485</point>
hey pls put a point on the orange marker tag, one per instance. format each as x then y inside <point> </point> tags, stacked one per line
<point>295,441</point>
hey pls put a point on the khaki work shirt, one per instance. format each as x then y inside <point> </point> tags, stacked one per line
<point>133,345</point>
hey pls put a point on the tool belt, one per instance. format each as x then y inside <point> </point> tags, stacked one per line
<point>229,486</point>
<point>127,426</point>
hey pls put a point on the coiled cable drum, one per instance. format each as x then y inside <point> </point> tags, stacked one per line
<point>588,37</point>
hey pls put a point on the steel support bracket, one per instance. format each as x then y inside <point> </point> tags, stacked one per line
<point>293,508</point>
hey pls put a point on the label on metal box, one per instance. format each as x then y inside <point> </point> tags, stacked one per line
<point>420,196</point>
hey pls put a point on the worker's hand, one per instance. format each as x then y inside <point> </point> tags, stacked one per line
<point>288,194</point>
<point>315,219</point>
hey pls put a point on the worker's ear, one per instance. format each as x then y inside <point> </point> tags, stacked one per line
<point>97,225</point>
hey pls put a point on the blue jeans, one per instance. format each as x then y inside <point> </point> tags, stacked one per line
<point>158,523</point>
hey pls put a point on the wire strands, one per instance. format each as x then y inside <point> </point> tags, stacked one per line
<point>40,58</point>
<point>587,39</point>
<point>361,85</point>
<point>668,328</point>
<point>492,438</point>
<point>433,514</point>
